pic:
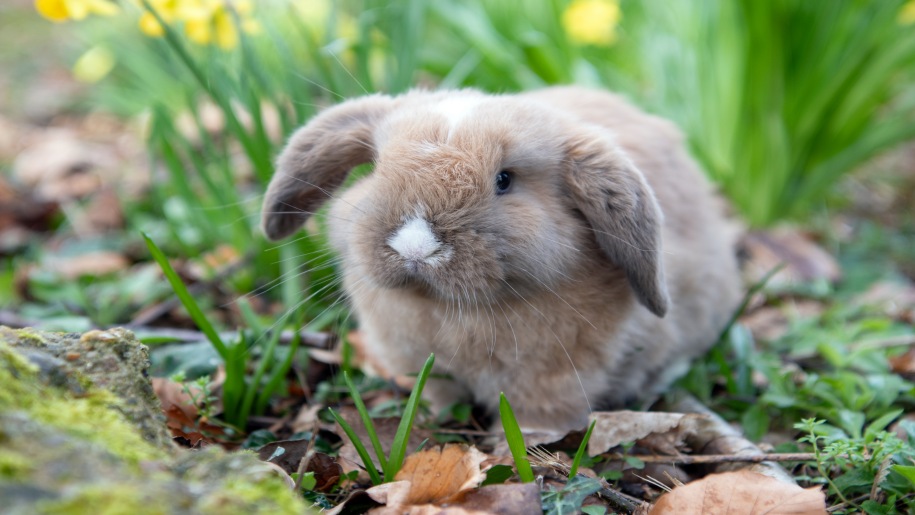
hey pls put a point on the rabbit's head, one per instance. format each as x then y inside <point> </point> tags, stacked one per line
<point>472,197</point>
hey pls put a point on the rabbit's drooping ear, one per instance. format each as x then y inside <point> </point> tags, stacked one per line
<point>317,159</point>
<point>621,208</point>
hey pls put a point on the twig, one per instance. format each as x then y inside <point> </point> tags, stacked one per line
<point>322,341</point>
<point>844,505</point>
<point>717,458</point>
<point>11,319</point>
<point>544,458</point>
<point>881,477</point>
<point>469,432</point>
<point>713,436</point>
<point>619,499</point>
<point>306,460</point>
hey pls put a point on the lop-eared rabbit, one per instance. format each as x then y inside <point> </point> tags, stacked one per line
<point>559,246</point>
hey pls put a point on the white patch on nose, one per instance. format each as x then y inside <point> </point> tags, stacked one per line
<point>415,241</point>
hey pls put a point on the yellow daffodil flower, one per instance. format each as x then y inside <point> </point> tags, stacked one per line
<point>907,13</point>
<point>63,10</point>
<point>94,65</point>
<point>205,21</point>
<point>592,22</point>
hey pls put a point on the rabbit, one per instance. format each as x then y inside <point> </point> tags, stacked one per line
<point>559,245</point>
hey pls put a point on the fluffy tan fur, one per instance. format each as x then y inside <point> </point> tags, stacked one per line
<point>605,268</point>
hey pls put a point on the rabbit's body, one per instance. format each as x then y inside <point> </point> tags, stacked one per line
<point>568,290</point>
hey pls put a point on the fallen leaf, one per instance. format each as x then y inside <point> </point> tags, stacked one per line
<point>437,474</point>
<point>97,263</point>
<point>182,415</point>
<point>103,214</point>
<point>435,481</point>
<point>613,428</point>
<point>507,499</point>
<point>769,323</point>
<point>60,165</point>
<point>180,425</point>
<point>803,259</point>
<point>895,299</point>
<point>306,418</point>
<point>288,454</point>
<point>904,364</point>
<point>741,493</point>
<point>386,428</point>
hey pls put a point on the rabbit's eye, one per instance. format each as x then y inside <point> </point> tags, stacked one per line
<point>503,182</point>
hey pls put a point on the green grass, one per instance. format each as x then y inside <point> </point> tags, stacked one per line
<point>515,440</point>
<point>392,463</point>
<point>582,449</point>
<point>241,398</point>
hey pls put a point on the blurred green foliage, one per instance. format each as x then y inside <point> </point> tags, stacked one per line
<point>778,99</point>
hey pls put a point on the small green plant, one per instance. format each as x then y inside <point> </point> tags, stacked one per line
<point>240,398</point>
<point>199,392</point>
<point>515,440</point>
<point>570,497</point>
<point>392,463</point>
<point>869,473</point>
<point>582,450</point>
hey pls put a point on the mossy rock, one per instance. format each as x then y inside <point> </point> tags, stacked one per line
<point>81,431</point>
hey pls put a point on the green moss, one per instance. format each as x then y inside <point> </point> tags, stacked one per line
<point>16,373</point>
<point>247,495</point>
<point>104,500</point>
<point>14,465</point>
<point>31,336</point>
<point>94,419</point>
<point>73,449</point>
<point>93,416</point>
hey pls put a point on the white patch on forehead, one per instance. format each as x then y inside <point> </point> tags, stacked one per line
<point>414,240</point>
<point>456,108</point>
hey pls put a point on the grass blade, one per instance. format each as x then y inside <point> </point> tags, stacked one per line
<point>357,443</point>
<point>187,300</point>
<point>399,447</point>
<point>573,471</point>
<point>366,421</point>
<point>277,376</point>
<point>515,440</point>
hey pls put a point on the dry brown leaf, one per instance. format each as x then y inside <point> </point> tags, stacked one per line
<point>288,454</point>
<point>894,298</point>
<point>769,323</point>
<point>508,499</point>
<point>904,364</point>
<point>103,214</point>
<point>741,493</point>
<point>804,259</point>
<point>431,479</point>
<point>61,165</point>
<point>386,428</point>
<point>95,263</point>
<point>182,415</point>
<point>306,418</point>
<point>613,428</point>
<point>438,474</point>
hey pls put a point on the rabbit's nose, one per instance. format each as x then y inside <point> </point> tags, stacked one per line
<point>414,241</point>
